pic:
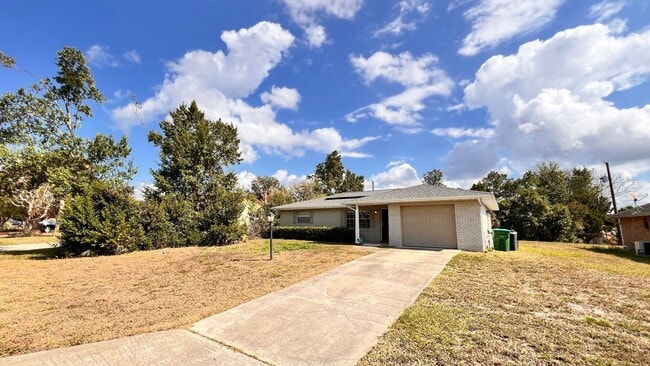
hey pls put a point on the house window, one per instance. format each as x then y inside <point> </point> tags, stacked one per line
<point>364,219</point>
<point>646,223</point>
<point>304,218</point>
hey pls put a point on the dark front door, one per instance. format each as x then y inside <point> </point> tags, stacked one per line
<point>384,225</point>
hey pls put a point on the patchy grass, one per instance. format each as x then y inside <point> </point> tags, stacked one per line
<point>52,303</point>
<point>548,303</point>
<point>35,239</point>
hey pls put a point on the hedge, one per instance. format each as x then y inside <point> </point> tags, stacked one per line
<point>323,234</point>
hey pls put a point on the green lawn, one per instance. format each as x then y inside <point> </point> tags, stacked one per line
<point>548,303</point>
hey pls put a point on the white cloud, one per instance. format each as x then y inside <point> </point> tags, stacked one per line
<point>140,188</point>
<point>306,13</point>
<point>541,111</point>
<point>457,133</point>
<point>281,97</point>
<point>409,14</point>
<point>217,80</point>
<point>397,176</point>
<point>606,9</point>
<point>315,35</point>
<point>287,179</point>
<point>132,56</point>
<point>245,179</point>
<point>100,57</point>
<point>494,21</point>
<point>421,77</point>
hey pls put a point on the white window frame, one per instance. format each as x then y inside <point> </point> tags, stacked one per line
<point>364,219</point>
<point>302,215</point>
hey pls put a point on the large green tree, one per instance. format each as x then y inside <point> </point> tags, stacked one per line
<point>549,203</point>
<point>195,153</point>
<point>433,177</point>
<point>39,129</point>
<point>332,177</point>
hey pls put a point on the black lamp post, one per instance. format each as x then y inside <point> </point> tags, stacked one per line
<point>270,217</point>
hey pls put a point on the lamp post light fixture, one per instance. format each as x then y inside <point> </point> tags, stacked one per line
<point>270,217</point>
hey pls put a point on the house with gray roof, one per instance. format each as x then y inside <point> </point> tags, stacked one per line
<point>421,216</point>
<point>634,224</point>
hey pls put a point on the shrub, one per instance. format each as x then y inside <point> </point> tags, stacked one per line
<point>314,233</point>
<point>101,220</point>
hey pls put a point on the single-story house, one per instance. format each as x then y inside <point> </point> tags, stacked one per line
<point>419,216</point>
<point>634,224</point>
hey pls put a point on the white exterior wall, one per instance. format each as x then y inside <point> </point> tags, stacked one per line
<point>327,218</point>
<point>469,226</point>
<point>486,228</point>
<point>395,225</point>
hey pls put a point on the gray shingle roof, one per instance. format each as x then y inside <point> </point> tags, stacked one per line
<point>640,211</point>
<point>420,193</point>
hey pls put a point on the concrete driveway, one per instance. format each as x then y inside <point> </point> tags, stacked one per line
<point>330,319</point>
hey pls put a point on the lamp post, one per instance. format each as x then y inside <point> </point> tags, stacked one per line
<point>270,217</point>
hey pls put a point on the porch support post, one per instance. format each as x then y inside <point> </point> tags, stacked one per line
<point>357,236</point>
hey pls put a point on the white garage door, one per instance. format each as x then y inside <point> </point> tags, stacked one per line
<point>429,226</point>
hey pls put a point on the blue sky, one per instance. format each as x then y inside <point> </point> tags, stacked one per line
<point>398,87</point>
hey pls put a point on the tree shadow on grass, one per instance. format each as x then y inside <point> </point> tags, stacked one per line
<point>622,254</point>
<point>36,254</point>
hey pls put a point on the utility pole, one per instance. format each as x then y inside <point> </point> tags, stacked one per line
<point>619,234</point>
<point>611,187</point>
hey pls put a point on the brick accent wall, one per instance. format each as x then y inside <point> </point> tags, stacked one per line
<point>469,226</point>
<point>634,229</point>
<point>394,225</point>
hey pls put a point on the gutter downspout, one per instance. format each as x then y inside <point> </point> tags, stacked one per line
<point>357,235</point>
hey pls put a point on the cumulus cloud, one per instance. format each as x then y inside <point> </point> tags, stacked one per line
<point>218,81</point>
<point>605,9</point>
<point>494,21</point>
<point>398,175</point>
<point>456,133</point>
<point>245,179</point>
<point>548,102</point>
<point>420,76</point>
<point>307,14</point>
<point>132,56</point>
<point>410,12</point>
<point>99,56</point>
<point>280,97</point>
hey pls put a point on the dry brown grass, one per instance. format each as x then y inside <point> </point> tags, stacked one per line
<point>12,239</point>
<point>52,303</point>
<point>548,303</point>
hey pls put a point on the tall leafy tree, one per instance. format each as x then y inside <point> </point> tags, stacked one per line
<point>332,177</point>
<point>351,182</point>
<point>305,190</point>
<point>195,153</point>
<point>433,177</point>
<point>39,128</point>
<point>264,187</point>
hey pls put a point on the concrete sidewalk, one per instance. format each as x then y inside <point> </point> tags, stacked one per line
<point>28,247</point>
<point>330,319</point>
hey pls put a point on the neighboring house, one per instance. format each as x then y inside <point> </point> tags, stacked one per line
<point>635,225</point>
<point>419,216</point>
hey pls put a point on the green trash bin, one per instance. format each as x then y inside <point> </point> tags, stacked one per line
<point>502,240</point>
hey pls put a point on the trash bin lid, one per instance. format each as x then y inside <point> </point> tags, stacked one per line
<point>500,229</point>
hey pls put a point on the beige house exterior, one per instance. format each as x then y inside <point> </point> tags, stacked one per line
<point>421,216</point>
<point>635,225</point>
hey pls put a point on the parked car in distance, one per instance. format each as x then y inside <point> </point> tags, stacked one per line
<point>12,224</point>
<point>47,226</point>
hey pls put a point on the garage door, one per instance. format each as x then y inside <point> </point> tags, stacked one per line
<point>429,226</point>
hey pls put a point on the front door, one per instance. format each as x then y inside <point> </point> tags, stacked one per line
<point>384,225</point>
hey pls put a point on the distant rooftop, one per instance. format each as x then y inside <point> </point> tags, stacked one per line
<point>423,192</point>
